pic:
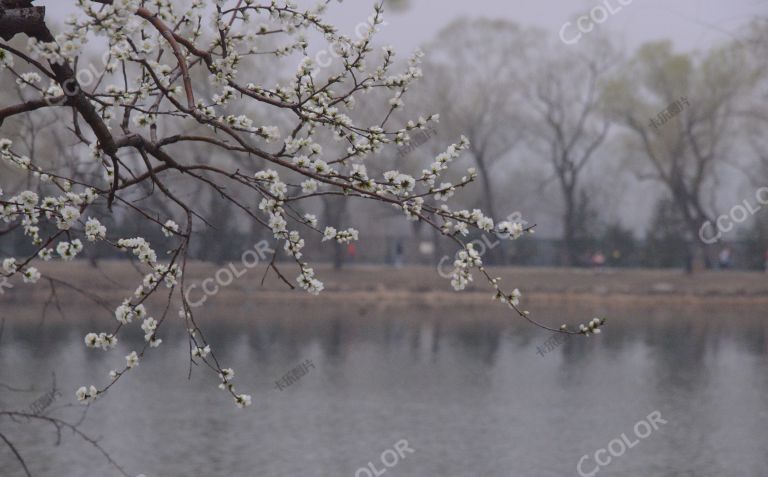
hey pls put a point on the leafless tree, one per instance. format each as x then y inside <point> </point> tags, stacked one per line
<point>683,114</point>
<point>568,122</point>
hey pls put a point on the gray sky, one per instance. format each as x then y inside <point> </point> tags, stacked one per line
<point>689,23</point>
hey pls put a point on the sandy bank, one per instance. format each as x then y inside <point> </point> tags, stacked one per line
<point>112,280</point>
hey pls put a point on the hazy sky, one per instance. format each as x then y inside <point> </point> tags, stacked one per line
<point>690,23</point>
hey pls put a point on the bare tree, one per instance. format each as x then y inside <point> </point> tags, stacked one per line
<point>755,46</point>
<point>683,114</point>
<point>568,124</point>
<point>478,94</point>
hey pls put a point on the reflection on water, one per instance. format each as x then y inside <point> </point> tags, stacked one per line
<point>467,391</point>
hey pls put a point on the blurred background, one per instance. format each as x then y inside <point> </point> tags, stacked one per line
<point>623,143</point>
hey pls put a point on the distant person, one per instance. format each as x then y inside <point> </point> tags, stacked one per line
<point>399,252</point>
<point>351,251</point>
<point>598,259</point>
<point>724,259</point>
<point>765,264</point>
<point>688,263</point>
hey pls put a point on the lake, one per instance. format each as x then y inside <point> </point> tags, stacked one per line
<point>473,392</point>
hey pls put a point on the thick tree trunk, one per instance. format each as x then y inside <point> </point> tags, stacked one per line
<point>569,238</point>
<point>569,256</point>
<point>19,16</point>
<point>495,256</point>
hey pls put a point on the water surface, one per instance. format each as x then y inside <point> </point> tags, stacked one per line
<point>465,387</point>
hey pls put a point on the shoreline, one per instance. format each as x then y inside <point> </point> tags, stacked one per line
<point>412,285</point>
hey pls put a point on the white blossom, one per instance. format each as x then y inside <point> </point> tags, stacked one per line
<point>170,227</point>
<point>94,230</point>
<point>31,275</point>
<point>132,360</point>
